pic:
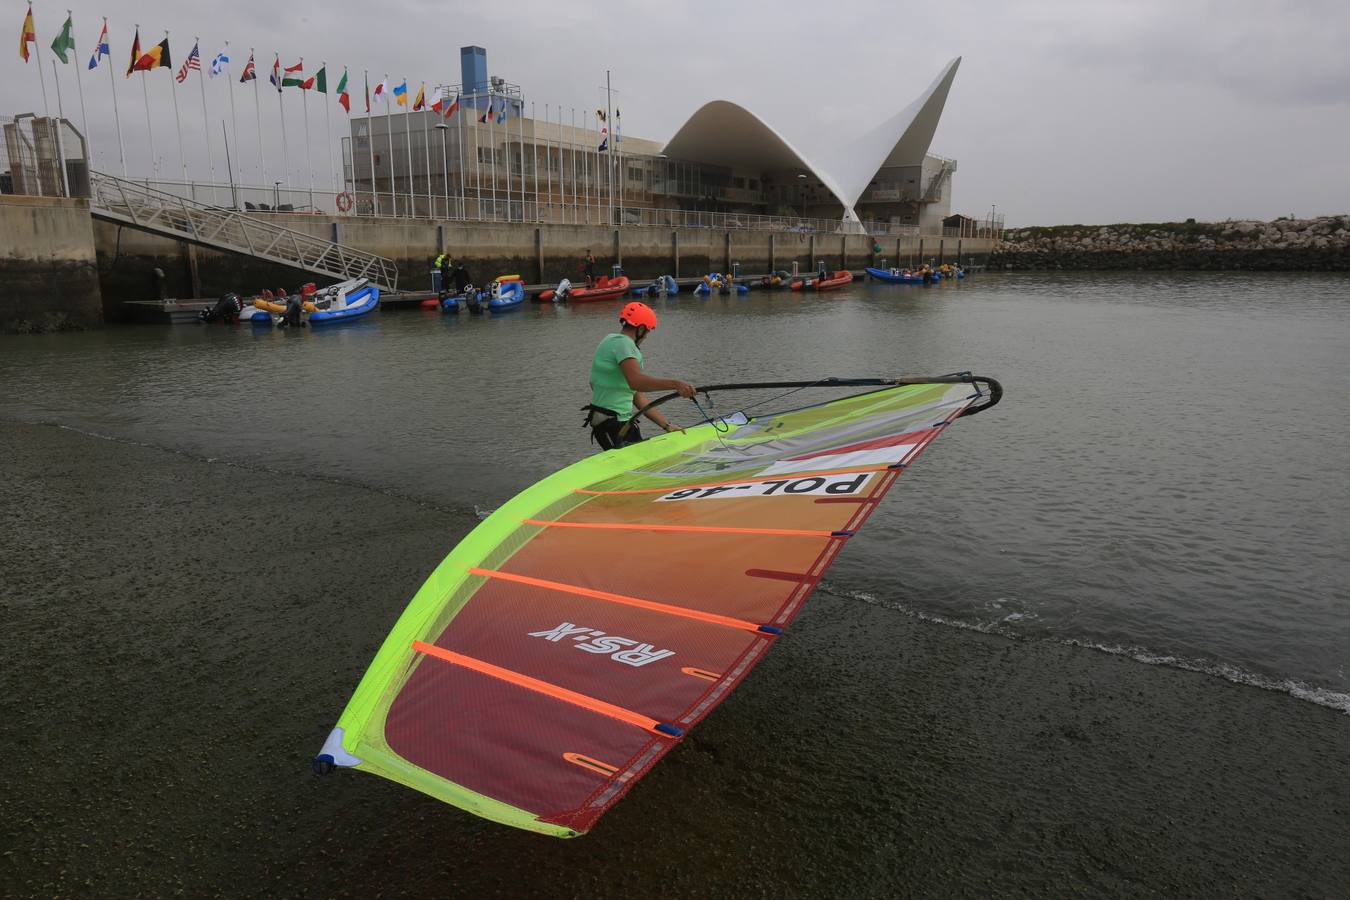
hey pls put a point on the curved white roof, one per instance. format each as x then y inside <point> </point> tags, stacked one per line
<point>723,133</point>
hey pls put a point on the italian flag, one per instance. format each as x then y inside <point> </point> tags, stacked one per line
<point>344,98</point>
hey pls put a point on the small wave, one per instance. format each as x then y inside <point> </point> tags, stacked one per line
<point>1299,690</point>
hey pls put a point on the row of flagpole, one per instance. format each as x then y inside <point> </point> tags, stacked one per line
<point>158,56</point>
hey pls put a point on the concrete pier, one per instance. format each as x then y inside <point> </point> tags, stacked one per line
<point>48,266</point>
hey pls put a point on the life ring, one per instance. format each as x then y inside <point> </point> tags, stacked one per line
<point>344,202</point>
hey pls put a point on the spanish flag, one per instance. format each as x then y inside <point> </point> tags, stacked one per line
<point>157,57</point>
<point>28,35</point>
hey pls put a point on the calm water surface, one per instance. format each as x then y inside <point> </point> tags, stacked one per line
<point>1166,479</point>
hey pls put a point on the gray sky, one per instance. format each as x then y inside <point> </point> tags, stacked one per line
<point>1062,111</point>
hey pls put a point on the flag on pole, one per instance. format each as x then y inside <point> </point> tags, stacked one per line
<point>604,140</point>
<point>27,35</point>
<point>219,62</point>
<point>452,108</point>
<point>438,104</point>
<point>193,61</point>
<point>501,113</point>
<point>320,80</point>
<point>250,71</point>
<point>482,120</point>
<point>600,114</point>
<point>401,93</point>
<point>344,98</point>
<point>135,52</point>
<point>420,102</point>
<point>65,41</point>
<point>294,76</point>
<point>157,57</point>
<point>276,73</point>
<point>101,48</point>
<point>381,92</point>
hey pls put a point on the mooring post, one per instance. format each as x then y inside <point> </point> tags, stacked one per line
<point>726,247</point>
<point>773,261</point>
<point>618,250</point>
<point>194,277</point>
<point>843,251</point>
<point>675,250</point>
<point>539,253</point>
<point>941,244</point>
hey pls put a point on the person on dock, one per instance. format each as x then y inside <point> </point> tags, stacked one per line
<point>618,383</point>
<point>588,269</point>
<point>445,265</point>
<point>459,278</point>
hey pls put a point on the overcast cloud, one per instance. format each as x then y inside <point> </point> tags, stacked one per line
<point>1062,111</point>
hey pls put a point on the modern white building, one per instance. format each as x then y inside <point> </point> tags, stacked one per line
<point>525,164</point>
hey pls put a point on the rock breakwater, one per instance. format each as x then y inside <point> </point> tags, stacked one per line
<point>1320,244</point>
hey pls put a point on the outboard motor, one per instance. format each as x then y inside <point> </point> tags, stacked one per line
<point>295,305</point>
<point>563,290</point>
<point>227,309</point>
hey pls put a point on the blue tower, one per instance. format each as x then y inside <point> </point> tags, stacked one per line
<point>473,71</point>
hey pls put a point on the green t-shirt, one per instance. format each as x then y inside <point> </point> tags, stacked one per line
<point>609,389</point>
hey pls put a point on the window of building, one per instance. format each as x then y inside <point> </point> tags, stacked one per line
<point>738,182</point>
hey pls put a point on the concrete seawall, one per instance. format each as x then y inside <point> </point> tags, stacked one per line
<point>540,253</point>
<point>48,266</point>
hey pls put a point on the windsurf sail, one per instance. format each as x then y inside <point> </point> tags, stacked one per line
<point>579,632</point>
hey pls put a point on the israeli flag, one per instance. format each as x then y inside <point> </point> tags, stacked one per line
<point>219,63</point>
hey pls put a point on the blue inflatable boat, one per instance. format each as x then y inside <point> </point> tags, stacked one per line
<point>506,295</point>
<point>666,284</point>
<point>344,302</point>
<point>895,276</point>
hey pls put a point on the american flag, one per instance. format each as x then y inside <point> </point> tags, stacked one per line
<point>194,61</point>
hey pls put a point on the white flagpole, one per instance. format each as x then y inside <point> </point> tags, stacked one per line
<point>234,118</point>
<point>534,155</point>
<point>309,150</point>
<point>328,127</point>
<point>60,144</point>
<point>407,144</point>
<point>257,108</point>
<point>177,118</point>
<point>370,147</point>
<point>609,148</point>
<point>572,143</point>
<point>206,121</point>
<point>389,129</point>
<point>79,86</point>
<point>149,129</point>
<point>548,163</point>
<point>426,152</point>
<point>492,147</point>
<point>281,111</point>
<point>42,79</point>
<point>520,133</point>
<point>460,112</point>
<point>477,162</point>
<point>117,116</point>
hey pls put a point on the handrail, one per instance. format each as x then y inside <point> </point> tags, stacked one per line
<point>232,230</point>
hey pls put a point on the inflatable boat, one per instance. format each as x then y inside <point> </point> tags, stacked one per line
<point>506,294</point>
<point>343,302</point>
<point>605,288</point>
<point>663,286</point>
<point>835,281</point>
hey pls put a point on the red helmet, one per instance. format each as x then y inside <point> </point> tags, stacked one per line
<point>639,315</point>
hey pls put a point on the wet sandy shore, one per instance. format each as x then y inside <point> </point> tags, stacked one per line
<point>178,636</point>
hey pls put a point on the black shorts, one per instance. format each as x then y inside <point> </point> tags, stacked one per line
<point>605,430</point>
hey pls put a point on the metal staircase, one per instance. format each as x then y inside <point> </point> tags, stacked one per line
<point>934,192</point>
<point>221,228</point>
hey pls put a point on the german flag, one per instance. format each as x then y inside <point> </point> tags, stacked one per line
<point>157,57</point>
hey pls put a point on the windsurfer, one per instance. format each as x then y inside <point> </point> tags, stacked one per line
<point>618,382</point>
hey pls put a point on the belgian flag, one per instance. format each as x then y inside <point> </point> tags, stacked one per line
<point>157,57</point>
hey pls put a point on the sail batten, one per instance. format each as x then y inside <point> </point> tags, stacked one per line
<point>571,640</point>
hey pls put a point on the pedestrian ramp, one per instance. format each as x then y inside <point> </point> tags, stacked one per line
<point>131,203</point>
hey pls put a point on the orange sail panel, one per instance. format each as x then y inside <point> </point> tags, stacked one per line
<point>587,625</point>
